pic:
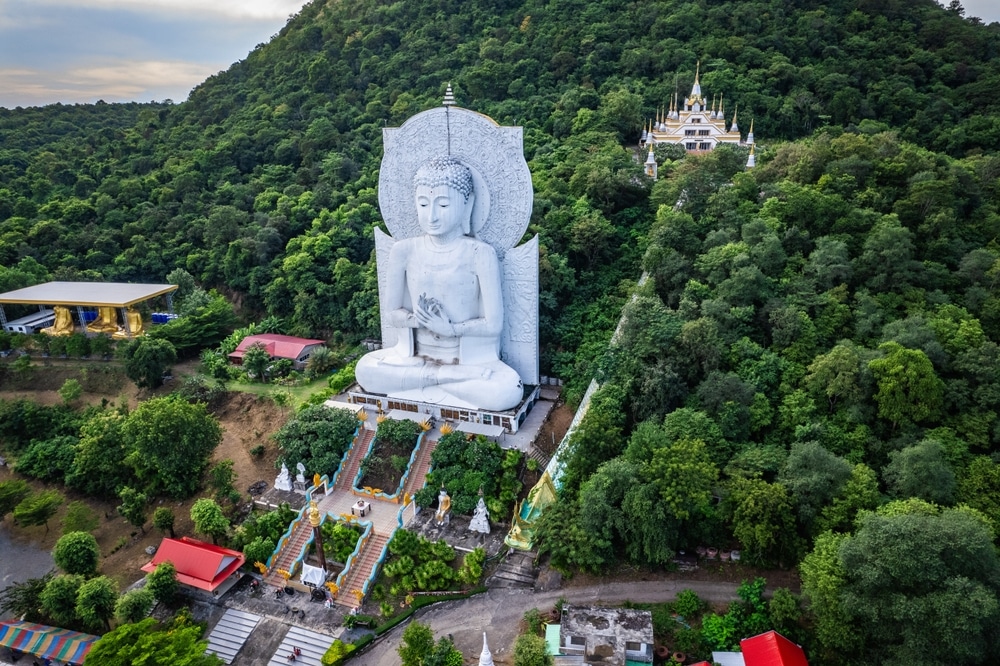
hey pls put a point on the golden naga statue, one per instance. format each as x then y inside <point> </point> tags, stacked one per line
<point>63,324</point>
<point>106,322</point>
<point>134,326</point>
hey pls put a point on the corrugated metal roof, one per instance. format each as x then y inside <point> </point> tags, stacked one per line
<point>198,564</point>
<point>277,346</point>
<point>772,649</point>
<point>89,294</point>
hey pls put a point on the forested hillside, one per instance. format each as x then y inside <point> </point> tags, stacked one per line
<point>262,184</point>
<point>811,372</point>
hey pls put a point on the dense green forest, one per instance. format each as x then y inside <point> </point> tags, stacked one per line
<point>810,372</point>
<point>262,184</point>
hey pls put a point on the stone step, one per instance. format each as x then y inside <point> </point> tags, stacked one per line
<point>514,576</point>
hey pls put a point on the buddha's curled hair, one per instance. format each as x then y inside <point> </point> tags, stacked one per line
<point>445,171</point>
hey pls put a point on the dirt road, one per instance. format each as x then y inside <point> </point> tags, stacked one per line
<point>498,613</point>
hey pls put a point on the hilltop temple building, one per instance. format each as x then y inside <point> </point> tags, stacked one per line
<point>694,125</point>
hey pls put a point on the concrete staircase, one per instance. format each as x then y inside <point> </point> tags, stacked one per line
<point>353,463</point>
<point>540,457</point>
<point>415,481</point>
<point>229,635</point>
<point>360,570</point>
<point>516,571</point>
<point>301,531</point>
<point>312,645</point>
<point>383,519</point>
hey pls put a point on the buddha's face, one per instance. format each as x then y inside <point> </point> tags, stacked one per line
<point>442,211</point>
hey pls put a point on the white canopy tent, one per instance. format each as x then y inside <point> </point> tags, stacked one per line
<point>493,432</point>
<point>403,415</point>
<point>340,404</point>
<point>311,575</point>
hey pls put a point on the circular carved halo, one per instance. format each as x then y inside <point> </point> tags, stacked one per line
<point>494,155</point>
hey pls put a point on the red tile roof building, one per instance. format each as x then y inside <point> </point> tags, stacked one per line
<point>198,564</point>
<point>295,349</point>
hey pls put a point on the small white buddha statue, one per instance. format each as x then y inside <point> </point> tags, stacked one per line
<point>284,479</point>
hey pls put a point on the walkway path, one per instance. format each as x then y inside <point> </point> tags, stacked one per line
<point>383,516</point>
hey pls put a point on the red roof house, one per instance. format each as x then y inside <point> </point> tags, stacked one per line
<point>772,649</point>
<point>295,349</point>
<point>198,564</point>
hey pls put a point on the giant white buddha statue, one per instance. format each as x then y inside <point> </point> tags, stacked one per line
<point>444,294</point>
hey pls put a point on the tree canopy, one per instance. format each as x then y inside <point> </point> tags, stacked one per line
<point>170,442</point>
<point>175,643</point>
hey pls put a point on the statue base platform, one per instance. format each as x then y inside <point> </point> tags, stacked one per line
<point>508,420</point>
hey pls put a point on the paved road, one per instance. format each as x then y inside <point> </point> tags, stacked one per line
<point>20,561</point>
<point>498,612</point>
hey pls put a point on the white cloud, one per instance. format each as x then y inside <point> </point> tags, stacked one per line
<point>249,9</point>
<point>112,82</point>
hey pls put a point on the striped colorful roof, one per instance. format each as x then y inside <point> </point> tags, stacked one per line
<point>47,642</point>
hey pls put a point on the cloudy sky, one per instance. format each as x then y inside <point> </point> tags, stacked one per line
<point>120,50</point>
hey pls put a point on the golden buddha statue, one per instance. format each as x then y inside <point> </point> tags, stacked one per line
<point>63,324</point>
<point>134,330</point>
<point>106,322</point>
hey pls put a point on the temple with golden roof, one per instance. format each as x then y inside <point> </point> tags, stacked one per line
<point>693,124</point>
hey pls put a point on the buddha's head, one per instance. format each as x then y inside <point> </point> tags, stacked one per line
<point>444,195</point>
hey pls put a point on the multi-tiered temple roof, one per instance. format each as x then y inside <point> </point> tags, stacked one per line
<point>694,124</point>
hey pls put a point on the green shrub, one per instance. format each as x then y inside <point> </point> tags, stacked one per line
<point>343,378</point>
<point>533,622</point>
<point>337,653</point>
<point>688,604</point>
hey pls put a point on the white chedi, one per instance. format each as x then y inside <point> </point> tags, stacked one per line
<point>486,657</point>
